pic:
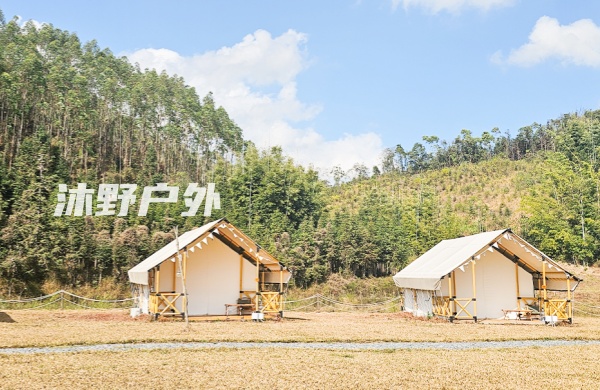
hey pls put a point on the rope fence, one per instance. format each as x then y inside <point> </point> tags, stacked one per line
<point>320,302</point>
<point>64,300</point>
<point>586,310</point>
<point>315,303</point>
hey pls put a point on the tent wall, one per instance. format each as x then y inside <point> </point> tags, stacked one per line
<point>496,285</point>
<point>213,278</point>
<point>141,296</point>
<point>418,302</point>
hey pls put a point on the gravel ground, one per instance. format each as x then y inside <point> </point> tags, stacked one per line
<point>378,346</point>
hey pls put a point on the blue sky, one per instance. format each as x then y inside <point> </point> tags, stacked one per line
<point>336,82</point>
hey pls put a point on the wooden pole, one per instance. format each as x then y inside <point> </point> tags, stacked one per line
<point>450,301</point>
<point>454,291</point>
<point>281,290</point>
<point>157,279</point>
<point>518,289</point>
<point>257,283</point>
<point>474,290</point>
<point>241,275</point>
<point>184,302</point>
<point>569,303</point>
<point>545,295</point>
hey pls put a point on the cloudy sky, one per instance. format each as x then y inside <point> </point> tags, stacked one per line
<point>335,82</point>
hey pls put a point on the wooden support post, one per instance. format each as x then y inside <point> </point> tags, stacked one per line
<point>545,295</point>
<point>174,282</point>
<point>450,299</point>
<point>157,290</point>
<point>518,290</point>
<point>474,290</point>
<point>569,303</point>
<point>281,290</point>
<point>257,284</point>
<point>241,275</point>
<point>454,296</point>
<point>539,298</point>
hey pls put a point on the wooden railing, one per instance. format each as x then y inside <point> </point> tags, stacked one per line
<point>272,302</point>
<point>165,303</point>
<point>561,308</point>
<point>453,308</point>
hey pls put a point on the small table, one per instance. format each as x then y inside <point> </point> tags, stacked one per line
<point>239,306</point>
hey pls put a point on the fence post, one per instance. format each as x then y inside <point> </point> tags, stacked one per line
<point>62,299</point>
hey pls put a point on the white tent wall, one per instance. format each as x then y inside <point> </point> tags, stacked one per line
<point>418,302</point>
<point>496,285</point>
<point>409,300</point>
<point>141,296</point>
<point>213,278</point>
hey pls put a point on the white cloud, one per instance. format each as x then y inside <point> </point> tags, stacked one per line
<point>21,22</point>
<point>255,81</point>
<point>576,43</point>
<point>452,6</point>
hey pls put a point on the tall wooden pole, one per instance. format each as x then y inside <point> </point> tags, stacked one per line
<point>184,302</point>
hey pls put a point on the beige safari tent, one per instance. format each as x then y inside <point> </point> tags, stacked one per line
<point>488,275</point>
<point>223,270</point>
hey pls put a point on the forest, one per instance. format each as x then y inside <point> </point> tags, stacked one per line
<point>72,112</point>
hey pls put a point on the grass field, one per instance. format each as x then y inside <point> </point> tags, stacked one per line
<point>577,367</point>
<point>282,368</point>
<point>551,368</point>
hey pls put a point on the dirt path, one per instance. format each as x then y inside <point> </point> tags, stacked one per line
<point>376,346</point>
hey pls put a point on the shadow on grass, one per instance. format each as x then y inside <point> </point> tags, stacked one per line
<point>5,318</point>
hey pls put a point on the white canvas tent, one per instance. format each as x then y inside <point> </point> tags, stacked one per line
<point>486,275</point>
<point>222,268</point>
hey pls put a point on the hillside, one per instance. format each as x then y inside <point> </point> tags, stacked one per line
<point>73,113</point>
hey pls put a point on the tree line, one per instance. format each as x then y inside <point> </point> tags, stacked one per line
<point>71,112</point>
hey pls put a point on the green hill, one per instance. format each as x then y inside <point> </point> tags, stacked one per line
<point>74,113</point>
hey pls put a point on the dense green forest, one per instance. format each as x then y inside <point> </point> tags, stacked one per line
<point>72,112</point>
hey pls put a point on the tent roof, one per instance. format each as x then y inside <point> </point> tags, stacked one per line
<point>220,229</point>
<point>426,272</point>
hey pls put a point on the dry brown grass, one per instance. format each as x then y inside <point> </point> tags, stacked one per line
<point>520,368</point>
<point>290,368</point>
<point>51,328</point>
